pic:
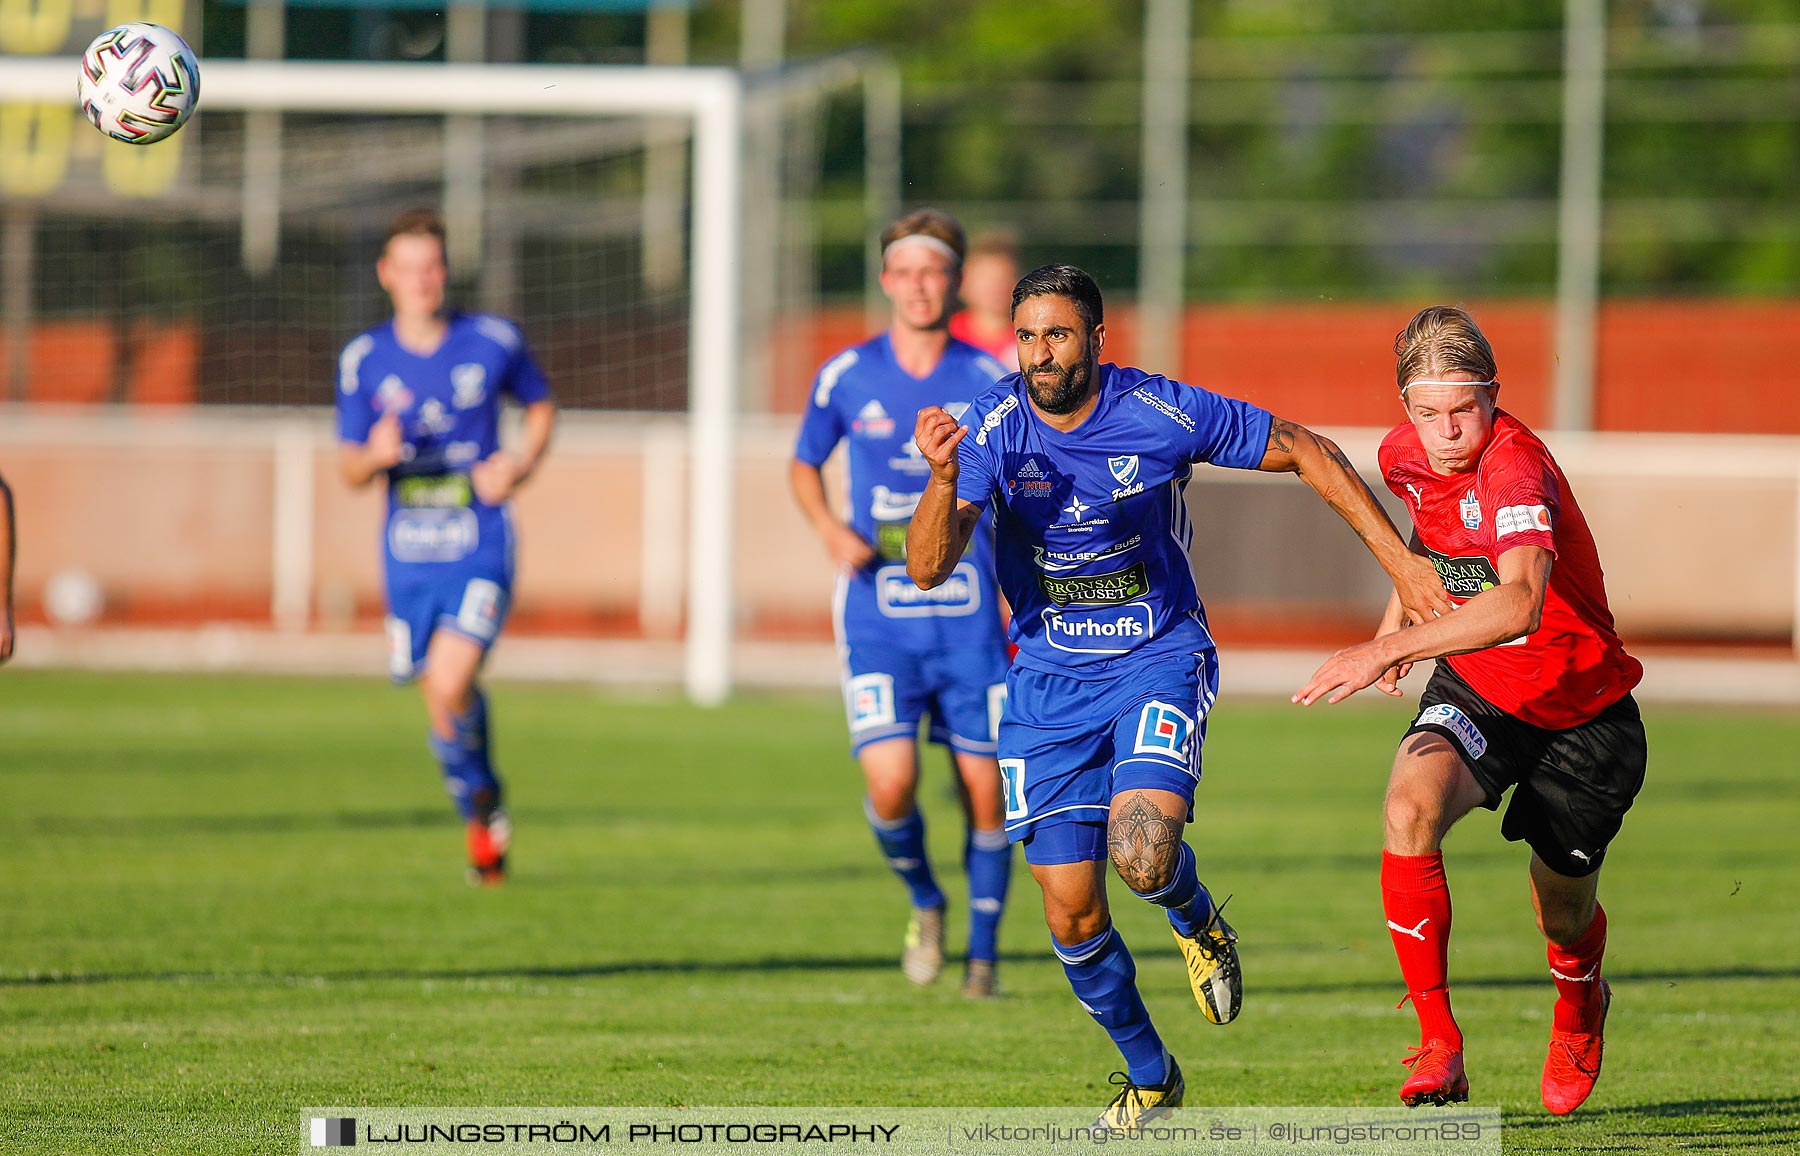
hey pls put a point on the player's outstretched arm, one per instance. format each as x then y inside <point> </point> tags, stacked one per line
<point>9,552</point>
<point>1510,610</point>
<point>1323,466</point>
<point>847,548</point>
<point>940,527</point>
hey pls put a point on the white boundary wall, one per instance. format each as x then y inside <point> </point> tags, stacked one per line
<point>622,466</point>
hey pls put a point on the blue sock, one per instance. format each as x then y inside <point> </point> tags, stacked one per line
<point>987,856</point>
<point>1105,981</point>
<point>903,844</point>
<point>1186,898</point>
<point>468,775</point>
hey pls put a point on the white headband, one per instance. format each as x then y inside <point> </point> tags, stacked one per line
<point>927,240</point>
<point>1428,381</point>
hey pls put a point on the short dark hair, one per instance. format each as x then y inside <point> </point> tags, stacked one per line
<point>1063,281</point>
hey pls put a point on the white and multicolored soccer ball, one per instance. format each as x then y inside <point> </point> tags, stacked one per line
<point>138,83</point>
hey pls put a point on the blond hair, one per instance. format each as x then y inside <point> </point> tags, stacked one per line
<point>1440,340</point>
<point>933,223</point>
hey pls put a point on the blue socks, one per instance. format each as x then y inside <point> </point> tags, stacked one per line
<point>468,775</point>
<point>1186,898</point>
<point>903,845</point>
<point>1105,981</point>
<point>987,857</point>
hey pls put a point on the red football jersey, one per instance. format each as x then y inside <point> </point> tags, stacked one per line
<point>1573,666</point>
<point>1003,348</point>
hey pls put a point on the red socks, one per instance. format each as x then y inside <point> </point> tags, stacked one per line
<point>1576,970</point>
<point>1416,898</point>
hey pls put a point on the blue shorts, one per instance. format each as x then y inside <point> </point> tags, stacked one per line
<point>887,691</point>
<point>1068,745</point>
<point>468,598</point>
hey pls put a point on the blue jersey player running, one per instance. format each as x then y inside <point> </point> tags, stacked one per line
<point>907,652</point>
<point>418,400</point>
<point>1084,467</point>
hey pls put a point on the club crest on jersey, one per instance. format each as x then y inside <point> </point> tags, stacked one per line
<point>1163,730</point>
<point>872,421</point>
<point>1124,468</point>
<point>468,385</point>
<point>1470,509</point>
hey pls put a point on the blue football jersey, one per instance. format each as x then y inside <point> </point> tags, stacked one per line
<point>449,407</point>
<point>1092,525</point>
<point>863,397</point>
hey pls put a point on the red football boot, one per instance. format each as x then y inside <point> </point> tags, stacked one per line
<point>488,842</point>
<point>1437,1076</point>
<point>1574,1062</point>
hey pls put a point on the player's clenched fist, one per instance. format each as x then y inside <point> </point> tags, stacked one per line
<point>387,441</point>
<point>937,435</point>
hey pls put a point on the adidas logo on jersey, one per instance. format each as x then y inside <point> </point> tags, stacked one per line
<point>873,421</point>
<point>1031,480</point>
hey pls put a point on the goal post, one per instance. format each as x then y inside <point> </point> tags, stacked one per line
<point>711,99</point>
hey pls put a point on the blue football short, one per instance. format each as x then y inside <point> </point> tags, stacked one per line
<point>887,691</point>
<point>467,598</point>
<point>1068,745</point>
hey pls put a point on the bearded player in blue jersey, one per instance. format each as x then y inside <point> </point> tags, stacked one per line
<point>909,653</point>
<point>419,402</point>
<point>1084,466</point>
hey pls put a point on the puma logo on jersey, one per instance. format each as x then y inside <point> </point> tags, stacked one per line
<point>1581,855</point>
<point>1593,973</point>
<point>1418,498</point>
<point>1417,932</point>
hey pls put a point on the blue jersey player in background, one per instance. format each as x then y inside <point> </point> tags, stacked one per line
<point>419,401</point>
<point>1084,467</point>
<point>908,652</point>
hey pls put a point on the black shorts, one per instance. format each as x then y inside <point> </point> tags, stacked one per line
<point>1573,786</point>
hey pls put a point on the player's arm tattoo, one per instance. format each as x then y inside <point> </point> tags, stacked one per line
<point>1334,453</point>
<point>1281,435</point>
<point>1285,437</point>
<point>1144,844</point>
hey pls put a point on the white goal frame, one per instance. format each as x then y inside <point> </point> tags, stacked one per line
<point>712,98</point>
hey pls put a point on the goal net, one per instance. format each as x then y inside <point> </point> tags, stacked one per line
<point>598,207</point>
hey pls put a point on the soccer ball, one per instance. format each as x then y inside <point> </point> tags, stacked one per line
<point>138,82</point>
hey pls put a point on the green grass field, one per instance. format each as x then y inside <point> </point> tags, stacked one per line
<point>225,899</point>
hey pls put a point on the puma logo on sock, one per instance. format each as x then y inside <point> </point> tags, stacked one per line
<point>1417,932</point>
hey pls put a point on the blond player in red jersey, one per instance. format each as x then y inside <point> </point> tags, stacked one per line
<point>1533,693</point>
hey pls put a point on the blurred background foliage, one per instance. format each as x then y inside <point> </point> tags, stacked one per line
<point>1339,149</point>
